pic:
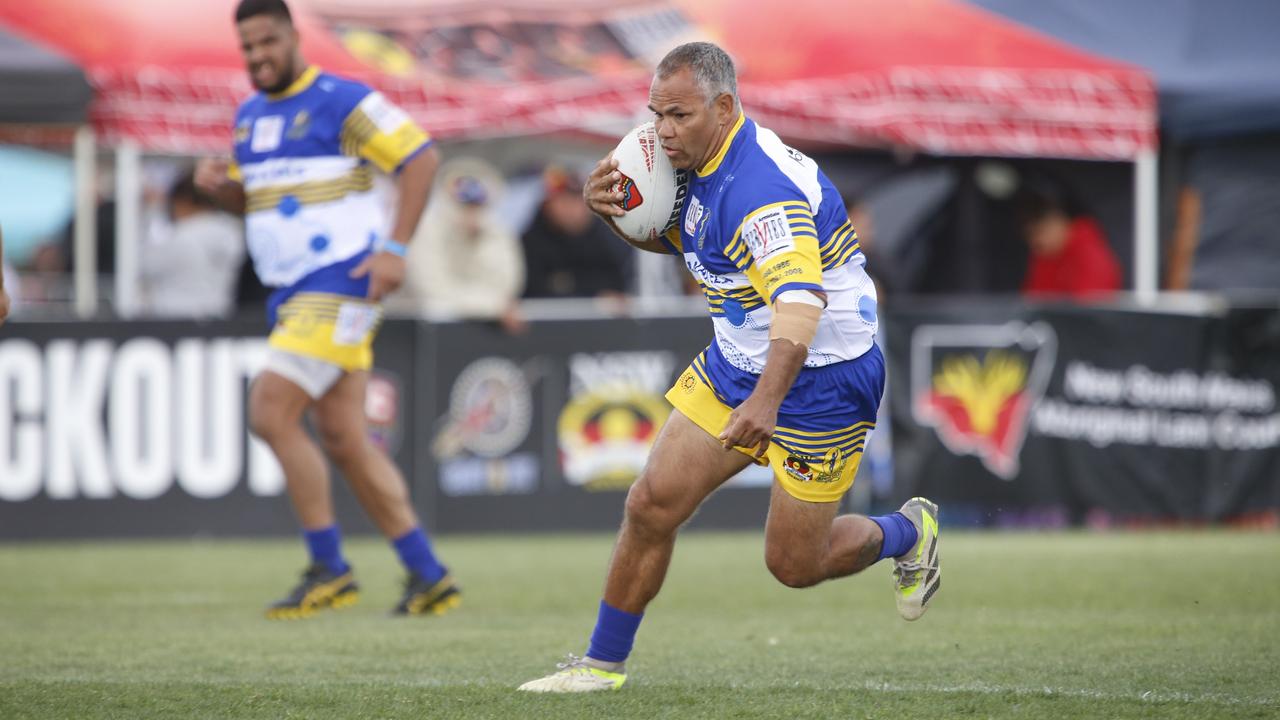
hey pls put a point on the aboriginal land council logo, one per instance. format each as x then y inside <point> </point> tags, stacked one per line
<point>976,385</point>
<point>631,198</point>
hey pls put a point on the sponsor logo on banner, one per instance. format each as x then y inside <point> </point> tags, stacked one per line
<point>382,410</point>
<point>613,415</point>
<point>490,415</point>
<point>976,385</point>
<point>94,419</point>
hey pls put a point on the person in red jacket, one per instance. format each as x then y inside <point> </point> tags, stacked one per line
<point>1070,256</point>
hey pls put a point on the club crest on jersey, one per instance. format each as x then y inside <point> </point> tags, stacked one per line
<point>976,386</point>
<point>299,126</point>
<point>631,198</point>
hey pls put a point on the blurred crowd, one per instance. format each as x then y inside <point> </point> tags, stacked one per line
<point>488,242</point>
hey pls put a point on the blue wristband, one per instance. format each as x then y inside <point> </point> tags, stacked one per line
<point>393,247</point>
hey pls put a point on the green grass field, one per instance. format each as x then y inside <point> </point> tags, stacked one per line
<point>1179,625</point>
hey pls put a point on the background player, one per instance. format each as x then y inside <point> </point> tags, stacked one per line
<point>793,377</point>
<point>306,147</point>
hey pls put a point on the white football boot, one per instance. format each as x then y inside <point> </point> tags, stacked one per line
<point>578,675</point>
<point>917,573</point>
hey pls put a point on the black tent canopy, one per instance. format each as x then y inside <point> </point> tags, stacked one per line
<point>39,86</point>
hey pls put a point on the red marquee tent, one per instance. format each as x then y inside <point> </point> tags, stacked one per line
<point>933,75</point>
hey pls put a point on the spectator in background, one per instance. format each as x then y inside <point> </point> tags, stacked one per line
<point>463,262</point>
<point>879,266</point>
<point>192,273</point>
<point>569,252</point>
<point>5,276</point>
<point>1070,255</point>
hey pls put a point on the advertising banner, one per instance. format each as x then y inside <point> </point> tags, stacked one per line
<point>547,430</point>
<point>1035,415</point>
<point>114,429</point>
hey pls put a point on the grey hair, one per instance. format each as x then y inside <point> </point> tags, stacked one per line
<point>712,68</point>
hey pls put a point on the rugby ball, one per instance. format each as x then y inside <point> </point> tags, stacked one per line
<point>653,191</point>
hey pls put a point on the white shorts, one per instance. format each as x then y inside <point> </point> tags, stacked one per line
<point>313,375</point>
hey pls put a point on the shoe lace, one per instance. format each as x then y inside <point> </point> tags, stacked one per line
<point>907,572</point>
<point>573,662</point>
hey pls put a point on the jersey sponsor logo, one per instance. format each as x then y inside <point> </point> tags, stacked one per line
<point>355,321</point>
<point>707,277</point>
<point>976,386</point>
<point>267,131</point>
<point>768,233</point>
<point>693,216</point>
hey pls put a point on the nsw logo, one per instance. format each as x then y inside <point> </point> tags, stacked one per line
<point>976,384</point>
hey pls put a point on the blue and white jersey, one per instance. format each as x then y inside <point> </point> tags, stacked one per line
<point>307,158</point>
<point>761,219</point>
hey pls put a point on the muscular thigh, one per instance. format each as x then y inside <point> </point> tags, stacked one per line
<point>686,465</point>
<point>797,528</point>
<point>339,413</point>
<point>275,400</point>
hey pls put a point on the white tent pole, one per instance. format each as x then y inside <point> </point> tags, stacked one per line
<point>1146,246</point>
<point>84,253</point>
<point>128,227</point>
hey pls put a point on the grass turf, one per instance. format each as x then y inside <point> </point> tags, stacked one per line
<point>1181,625</point>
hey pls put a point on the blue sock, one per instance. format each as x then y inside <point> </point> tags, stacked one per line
<point>614,635</point>
<point>414,550</point>
<point>899,534</point>
<point>325,546</point>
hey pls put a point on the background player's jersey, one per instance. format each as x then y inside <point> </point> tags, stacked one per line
<point>761,219</point>
<point>306,157</point>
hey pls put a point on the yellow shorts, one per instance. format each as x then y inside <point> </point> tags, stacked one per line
<point>337,329</point>
<point>810,466</point>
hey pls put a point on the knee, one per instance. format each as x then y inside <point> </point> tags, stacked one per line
<point>267,420</point>
<point>790,569</point>
<point>646,511</point>
<point>343,445</point>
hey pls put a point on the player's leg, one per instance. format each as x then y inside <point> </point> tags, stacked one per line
<point>685,466</point>
<point>807,543</point>
<point>381,489</point>
<point>276,406</point>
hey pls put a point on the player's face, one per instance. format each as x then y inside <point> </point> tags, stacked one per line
<point>688,127</point>
<point>270,48</point>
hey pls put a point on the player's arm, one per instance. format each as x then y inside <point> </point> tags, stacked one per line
<point>604,201</point>
<point>383,134</point>
<point>220,179</point>
<point>781,242</point>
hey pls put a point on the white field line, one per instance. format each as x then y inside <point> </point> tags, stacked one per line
<point>1150,696</point>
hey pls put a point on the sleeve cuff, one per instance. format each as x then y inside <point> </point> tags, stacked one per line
<point>794,286</point>
<point>421,148</point>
